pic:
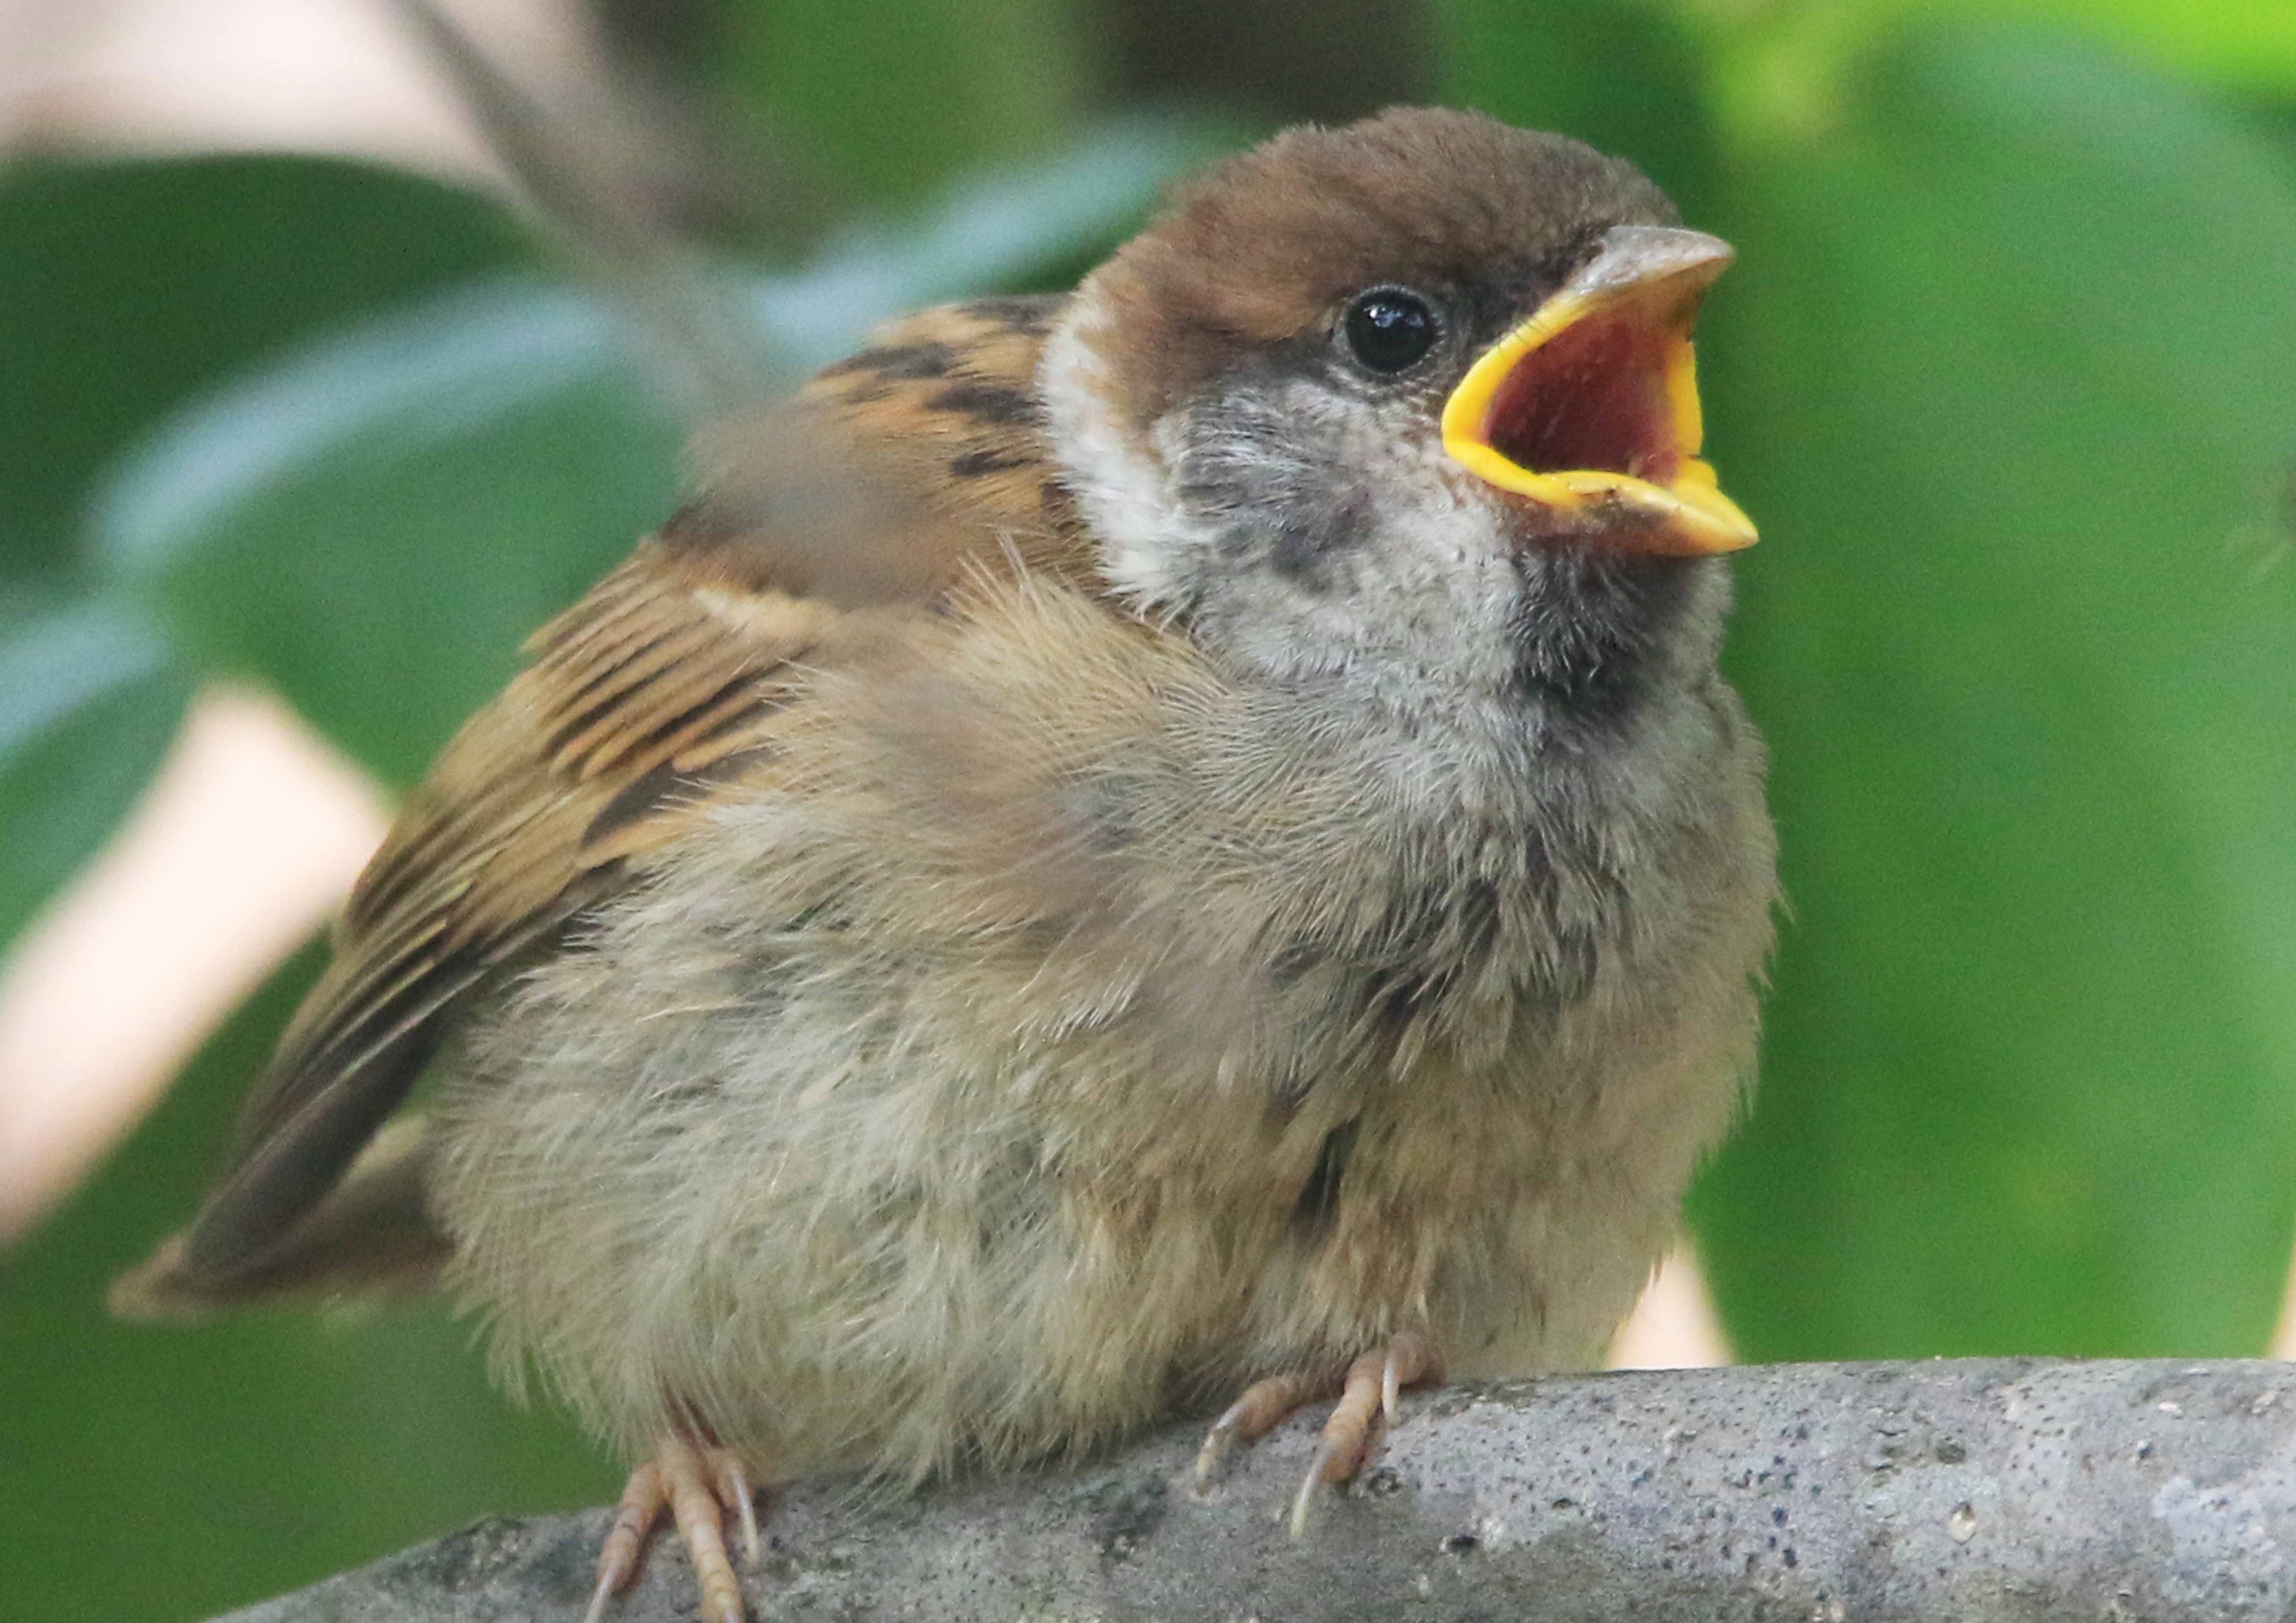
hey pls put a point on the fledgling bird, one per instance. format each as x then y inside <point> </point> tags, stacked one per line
<point>1179,840</point>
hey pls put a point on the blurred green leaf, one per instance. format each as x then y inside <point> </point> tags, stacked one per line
<point>2245,43</point>
<point>1008,228</point>
<point>125,286</point>
<point>164,1471</point>
<point>2008,376</point>
<point>1779,68</point>
<point>373,524</point>
<point>1624,76</point>
<point>89,699</point>
<point>893,98</point>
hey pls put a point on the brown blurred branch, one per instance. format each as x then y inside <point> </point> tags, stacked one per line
<point>2026,1488</point>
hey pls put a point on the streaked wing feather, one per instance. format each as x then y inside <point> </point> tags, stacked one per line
<point>643,702</point>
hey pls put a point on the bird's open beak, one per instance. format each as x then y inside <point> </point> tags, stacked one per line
<point>1590,408</point>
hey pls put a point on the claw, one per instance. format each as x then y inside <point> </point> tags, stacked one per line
<point>1263,1405</point>
<point>598,1596</point>
<point>1319,1472</point>
<point>699,1485</point>
<point>1368,1391</point>
<point>734,1489</point>
<point>642,1500</point>
<point>1218,1440</point>
<point>597,1610</point>
<point>1368,1400</point>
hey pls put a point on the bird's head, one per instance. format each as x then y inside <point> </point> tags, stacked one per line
<point>1410,402</point>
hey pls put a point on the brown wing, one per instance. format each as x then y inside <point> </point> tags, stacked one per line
<point>876,485</point>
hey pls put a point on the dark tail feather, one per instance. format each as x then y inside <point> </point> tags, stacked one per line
<point>371,1240</point>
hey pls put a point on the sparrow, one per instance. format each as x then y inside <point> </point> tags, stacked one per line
<point>1179,843</point>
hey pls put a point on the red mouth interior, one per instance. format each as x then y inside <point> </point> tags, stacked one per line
<point>1591,397</point>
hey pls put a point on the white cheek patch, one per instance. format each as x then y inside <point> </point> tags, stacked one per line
<point>1423,611</point>
<point>1144,532</point>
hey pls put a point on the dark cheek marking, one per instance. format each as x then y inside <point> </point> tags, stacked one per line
<point>1319,1196</point>
<point>1304,548</point>
<point>1297,557</point>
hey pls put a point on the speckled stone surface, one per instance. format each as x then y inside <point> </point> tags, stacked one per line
<point>1966,1490</point>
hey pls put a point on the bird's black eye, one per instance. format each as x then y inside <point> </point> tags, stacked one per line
<point>1390,328</point>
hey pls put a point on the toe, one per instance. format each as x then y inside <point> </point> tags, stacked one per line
<point>1367,1399</point>
<point>701,1516</point>
<point>699,1485</point>
<point>1410,1361</point>
<point>734,1490</point>
<point>1250,1417</point>
<point>642,1497</point>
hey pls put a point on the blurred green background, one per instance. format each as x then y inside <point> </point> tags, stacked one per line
<point>2007,372</point>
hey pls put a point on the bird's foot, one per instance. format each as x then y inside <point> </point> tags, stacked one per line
<point>1366,1391</point>
<point>1260,1411</point>
<point>699,1483</point>
<point>1368,1396</point>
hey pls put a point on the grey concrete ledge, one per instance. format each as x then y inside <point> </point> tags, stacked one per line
<point>1962,1490</point>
